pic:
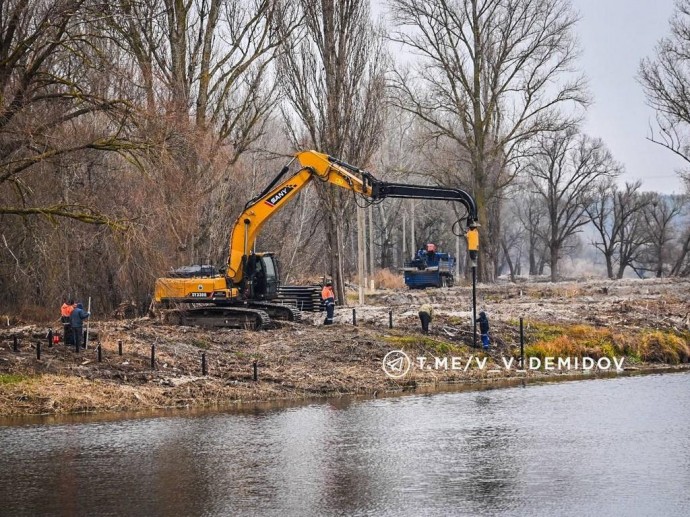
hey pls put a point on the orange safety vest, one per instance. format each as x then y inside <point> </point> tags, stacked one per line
<point>66,310</point>
<point>327,292</point>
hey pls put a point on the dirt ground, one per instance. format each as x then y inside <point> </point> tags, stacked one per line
<point>307,359</point>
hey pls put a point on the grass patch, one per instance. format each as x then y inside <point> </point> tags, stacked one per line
<point>11,378</point>
<point>200,343</point>
<point>570,341</point>
<point>387,279</point>
<point>436,346</point>
<point>546,340</point>
<point>664,347</point>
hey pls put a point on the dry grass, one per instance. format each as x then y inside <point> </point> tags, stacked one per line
<point>549,340</point>
<point>387,279</point>
<point>664,347</point>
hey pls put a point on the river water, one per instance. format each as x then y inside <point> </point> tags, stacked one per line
<point>598,447</point>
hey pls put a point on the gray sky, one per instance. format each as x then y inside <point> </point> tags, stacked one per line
<point>614,36</point>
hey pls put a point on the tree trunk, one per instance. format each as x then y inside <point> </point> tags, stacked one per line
<point>609,264</point>
<point>554,262</point>
<point>508,261</point>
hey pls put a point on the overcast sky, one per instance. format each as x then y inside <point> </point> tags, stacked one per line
<point>615,35</point>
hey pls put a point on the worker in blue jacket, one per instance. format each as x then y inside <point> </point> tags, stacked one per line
<point>484,329</point>
<point>76,320</point>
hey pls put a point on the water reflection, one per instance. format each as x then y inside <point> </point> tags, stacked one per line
<point>584,448</point>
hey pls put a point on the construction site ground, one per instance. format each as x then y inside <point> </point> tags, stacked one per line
<point>646,322</point>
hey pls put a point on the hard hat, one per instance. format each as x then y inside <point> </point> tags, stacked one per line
<point>328,282</point>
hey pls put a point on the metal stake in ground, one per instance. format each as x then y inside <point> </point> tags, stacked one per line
<point>203,363</point>
<point>153,357</point>
<point>522,346</point>
<point>256,371</point>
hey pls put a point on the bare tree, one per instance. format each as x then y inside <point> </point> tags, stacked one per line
<point>665,79</point>
<point>659,215</point>
<point>564,171</point>
<point>492,75</point>
<point>616,215</point>
<point>530,211</point>
<point>44,61</point>
<point>332,76</point>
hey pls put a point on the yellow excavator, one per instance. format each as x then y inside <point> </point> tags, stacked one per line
<point>240,295</point>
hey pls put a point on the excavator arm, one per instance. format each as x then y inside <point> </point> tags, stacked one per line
<point>328,169</point>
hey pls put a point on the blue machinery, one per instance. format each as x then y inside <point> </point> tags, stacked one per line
<point>429,268</point>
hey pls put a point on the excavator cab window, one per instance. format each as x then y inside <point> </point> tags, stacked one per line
<point>271,279</point>
<point>261,270</point>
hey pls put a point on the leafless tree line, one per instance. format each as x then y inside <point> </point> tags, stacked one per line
<point>133,132</point>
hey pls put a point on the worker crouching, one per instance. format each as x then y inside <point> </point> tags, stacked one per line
<point>484,329</point>
<point>426,313</point>
<point>328,297</point>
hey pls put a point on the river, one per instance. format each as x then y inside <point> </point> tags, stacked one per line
<point>596,447</point>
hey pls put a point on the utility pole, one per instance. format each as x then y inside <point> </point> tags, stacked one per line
<point>404,243</point>
<point>360,252</point>
<point>413,244</point>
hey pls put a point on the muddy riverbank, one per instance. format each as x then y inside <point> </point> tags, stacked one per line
<point>642,325</point>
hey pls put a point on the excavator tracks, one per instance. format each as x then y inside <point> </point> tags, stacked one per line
<point>278,311</point>
<point>220,317</point>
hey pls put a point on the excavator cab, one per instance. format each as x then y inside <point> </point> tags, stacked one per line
<point>262,274</point>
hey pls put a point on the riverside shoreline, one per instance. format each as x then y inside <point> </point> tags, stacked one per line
<point>644,323</point>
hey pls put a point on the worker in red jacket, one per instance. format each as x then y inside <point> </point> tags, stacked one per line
<point>328,297</point>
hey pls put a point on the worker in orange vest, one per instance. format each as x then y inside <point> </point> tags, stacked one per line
<point>66,310</point>
<point>328,297</point>
<point>65,313</point>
